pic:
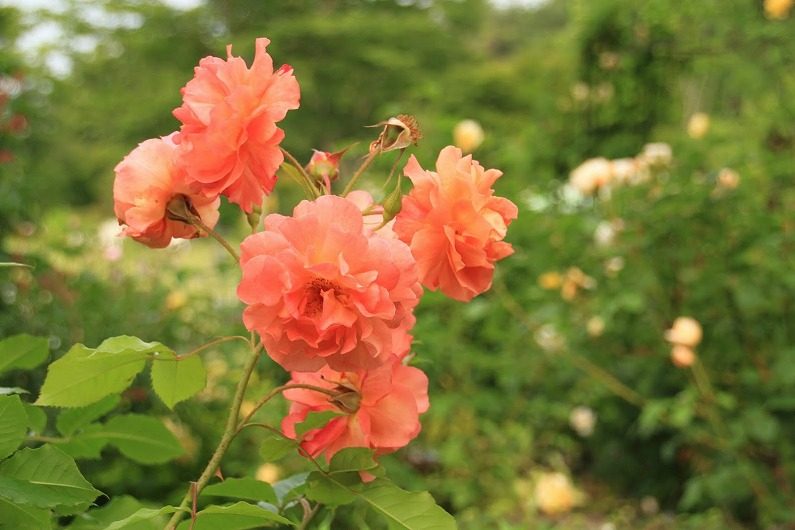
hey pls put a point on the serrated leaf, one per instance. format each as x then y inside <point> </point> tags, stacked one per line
<point>85,375</point>
<point>141,438</point>
<point>238,516</point>
<point>85,445</point>
<point>37,418</point>
<point>176,378</point>
<point>143,514</point>
<point>330,491</point>
<point>314,420</point>
<point>242,488</point>
<point>22,352</point>
<point>117,509</point>
<point>13,424</point>
<point>406,510</point>
<point>275,447</point>
<point>70,421</point>
<point>23,517</point>
<point>352,459</point>
<point>45,477</point>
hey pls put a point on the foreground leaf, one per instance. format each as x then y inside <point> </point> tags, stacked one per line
<point>238,516</point>
<point>85,375</point>
<point>70,421</point>
<point>275,447</point>
<point>406,509</point>
<point>45,477</point>
<point>22,352</point>
<point>176,379</point>
<point>117,509</point>
<point>13,424</point>
<point>143,514</point>
<point>141,438</point>
<point>22,517</point>
<point>242,488</point>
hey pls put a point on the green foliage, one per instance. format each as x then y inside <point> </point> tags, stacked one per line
<point>275,447</point>
<point>13,424</point>
<point>119,509</point>
<point>140,516</point>
<point>141,438</point>
<point>176,379</point>
<point>238,516</point>
<point>242,488</point>
<point>22,352</point>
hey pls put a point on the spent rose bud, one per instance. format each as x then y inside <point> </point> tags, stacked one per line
<point>398,133</point>
<point>686,331</point>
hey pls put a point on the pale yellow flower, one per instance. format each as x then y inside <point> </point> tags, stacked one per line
<point>550,280</point>
<point>595,326</point>
<point>269,473</point>
<point>686,331</point>
<point>778,9</point>
<point>583,420</point>
<point>591,175</point>
<point>728,179</point>
<point>698,125</point>
<point>555,494</point>
<point>468,135</point>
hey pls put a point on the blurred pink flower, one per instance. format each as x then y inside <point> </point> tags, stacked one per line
<point>454,224</point>
<point>147,180</point>
<point>321,288</point>
<point>379,408</point>
<point>229,140</point>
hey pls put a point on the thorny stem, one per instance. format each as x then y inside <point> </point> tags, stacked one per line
<point>278,390</point>
<point>198,223</point>
<point>585,364</point>
<point>367,161</point>
<point>297,165</point>
<point>229,433</point>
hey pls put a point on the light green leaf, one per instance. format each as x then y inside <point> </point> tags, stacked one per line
<point>144,514</point>
<point>176,379</point>
<point>275,447</point>
<point>37,418</point>
<point>70,421</point>
<point>22,517</point>
<point>22,352</point>
<point>141,438</point>
<point>118,508</point>
<point>86,375</point>
<point>242,488</point>
<point>406,510</point>
<point>314,420</point>
<point>45,477</point>
<point>238,516</point>
<point>13,424</point>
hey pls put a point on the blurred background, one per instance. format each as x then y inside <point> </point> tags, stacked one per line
<point>556,400</point>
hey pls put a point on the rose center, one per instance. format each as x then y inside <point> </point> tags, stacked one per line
<point>314,295</point>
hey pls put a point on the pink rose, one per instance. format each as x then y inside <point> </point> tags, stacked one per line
<point>147,180</point>
<point>454,224</point>
<point>229,140</point>
<point>320,288</point>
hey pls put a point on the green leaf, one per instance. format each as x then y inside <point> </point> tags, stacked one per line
<point>37,418</point>
<point>23,517</point>
<point>242,488</point>
<point>332,491</point>
<point>286,488</point>
<point>238,516</point>
<point>45,477</point>
<point>86,375</point>
<point>144,514</point>
<point>406,509</point>
<point>176,379</point>
<point>141,438</point>
<point>22,352</point>
<point>13,424</point>
<point>118,508</point>
<point>314,420</point>
<point>70,421</point>
<point>275,447</point>
<point>352,459</point>
<point>86,444</point>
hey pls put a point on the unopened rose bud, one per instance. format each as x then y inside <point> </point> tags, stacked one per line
<point>392,203</point>
<point>682,356</point>
<point>698,125</point>
<point>325,166</point>
<point>686,331</point>
<point>468,135</point>
<point>399,132</point>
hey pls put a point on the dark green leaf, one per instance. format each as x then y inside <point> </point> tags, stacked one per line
<point>22,352</point>
<point>70,421</point>
<point>141,438</point>
<point>242,488</point>
<point>117,509</point>
<point>332,491</point>
<point>37,418</point>
<point>132,521</point>
<point>352,459</point>
<point>238,516</point>
<point>314,420</point>
<point>13,424</point>
<point>275,447</point>
<point>23,517</point>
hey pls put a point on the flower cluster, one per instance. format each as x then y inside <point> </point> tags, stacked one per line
<point>331,289</point>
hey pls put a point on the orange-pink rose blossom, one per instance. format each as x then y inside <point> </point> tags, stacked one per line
<point>320,288</point>
<point>454,224</point>
<point>229,139</point>
<point>146,181</point>
<point>379,408</point>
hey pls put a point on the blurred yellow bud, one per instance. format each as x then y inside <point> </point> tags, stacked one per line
<point>554,494</point>
<point>698,125</point>
<point>583,420</point>
<point>176,300</point>
<point>728,179</point>
<point>550,280</point>
<point>269,473</point>
<point>682,356</point>
<point>686,331</point>
<point>468,135</point>
<point>778,9</point>
<point>595,326</point>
